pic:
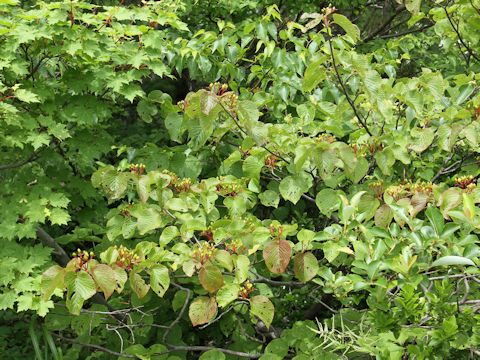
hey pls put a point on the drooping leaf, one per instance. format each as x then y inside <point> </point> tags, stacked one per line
<point>105,279</point>
<point>210,277</point>
<point>138,285</point>
<point>202,310</point>
<point>262,307</point>
<point>159,279</point>
<point>227,294</point>
<point>277,255</point>
<point>305,266</point>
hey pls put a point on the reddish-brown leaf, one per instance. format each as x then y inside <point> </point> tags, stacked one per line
<point>277,254</point>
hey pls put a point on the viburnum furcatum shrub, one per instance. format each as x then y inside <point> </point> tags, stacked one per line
<point>269,188</point>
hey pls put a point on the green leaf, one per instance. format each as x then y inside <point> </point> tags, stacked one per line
<point>277,255</point>
<point>159,279</point>
<point>278,347</point>
<point>422,139</point>
<point>84,285</point>
<point>224,259</point>
<point>453,260</point>
<point>242,264</point>
<point>53,278</point>
<point>177,204</point>
<point>305,266</point>
<point>59,216</point>
<point>383,216</point>
<point>168,234</point>
<point>352,30</point>
<point>26,96</point>
<point>210,277</point>
<point>464,94</point>
<point>436,219</point>
<point>104,277</point>
<point>227,294</point>
<point>262,307</point>
<point>293,187</point>
<point>413,6</point>
<point>327,201</point>
<point>148,219</point>
<point>269,198</point>
<point>314,75</point>
<point>469,206</point>
<point>385,160</point>
<point>202,310</point>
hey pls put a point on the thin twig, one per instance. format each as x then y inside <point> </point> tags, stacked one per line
<point>206,348</point>
<point>217,318</point>
<point>264,280</point>
<point>96,347</point>
<point>406,32</point>
<point>342,85</point>
<point>469,50</point>
<point>385,24</point>
<point>182,311</point>
<point>34,156</point>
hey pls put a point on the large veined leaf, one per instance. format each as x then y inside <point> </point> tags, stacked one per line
<point>383,216</point>
<point>84,285</point>
<point>305,266</point>
<point>293,187</point>
<point>202,310</point>
<point>262,307</point>
<point>224,259</point>
<point>227,294</point>
<point>277,255</point>
<point>138,285</point>
<point>52,279</point>
<point>314,74</point>
<point>422,138</point>
<point>104,277</point>
<point>242,264</point>
<point>351,29</point>
<point>159,279</point>
<point>327,201</point>
<point>148,218</point>
<point>210,277</point>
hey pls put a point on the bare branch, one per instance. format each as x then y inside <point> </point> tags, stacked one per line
<point>34,156</point>
<point>264,280</point>
<point>182,311</point>
<point>206,348</point>
<point>96,347</point>
<point>455,28</point>
<point>385,24</point>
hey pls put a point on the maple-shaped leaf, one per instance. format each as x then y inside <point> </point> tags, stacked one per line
<point>38,140</point>
<point>26,96</point>
<point>59,216</point>
<point>277,255</point>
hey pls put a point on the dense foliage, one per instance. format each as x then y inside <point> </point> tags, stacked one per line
<point>252,179</point>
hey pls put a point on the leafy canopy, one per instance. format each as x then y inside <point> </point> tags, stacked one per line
<point>182,180</point>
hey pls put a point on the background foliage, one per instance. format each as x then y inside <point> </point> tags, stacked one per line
<point>252,179</point>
